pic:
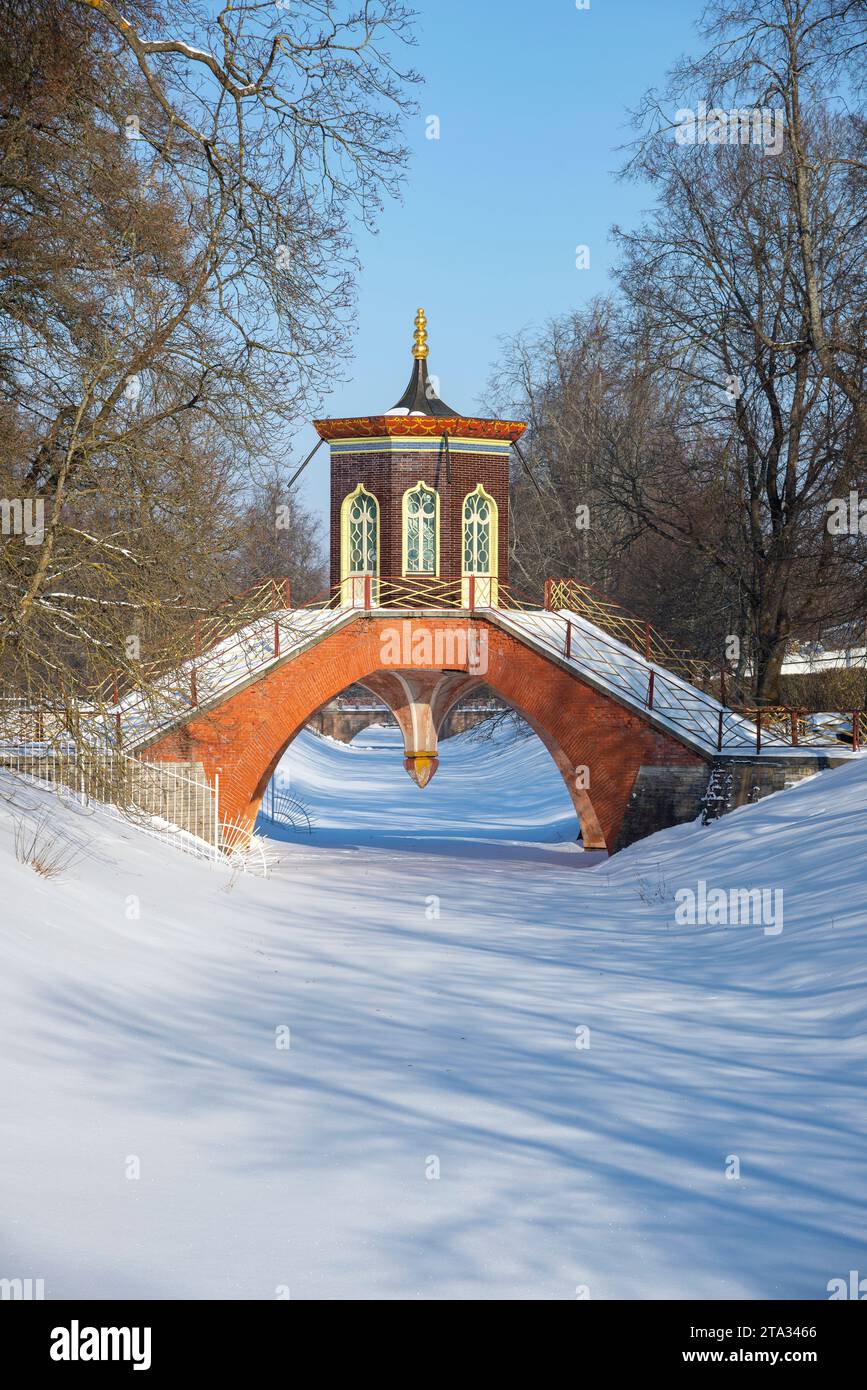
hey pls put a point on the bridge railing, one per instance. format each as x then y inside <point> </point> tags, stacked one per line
<point>425,592</point>
<point>249,631</point>
<point>231,663</point>
<point>769,725</point>
<point>599,630</point>
<point>167,695</point>
<point>200,636</point>
<point>670,698</point>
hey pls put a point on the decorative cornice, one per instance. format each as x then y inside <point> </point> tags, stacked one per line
<point>418,426</point>
<point>424,446</point>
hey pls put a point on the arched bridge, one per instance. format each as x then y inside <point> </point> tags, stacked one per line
<point>637,744</point>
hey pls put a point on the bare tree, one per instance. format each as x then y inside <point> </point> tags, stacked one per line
<point>565,381</point>
<point>792,56</point>
<point>278,536</point>
<point>596,410</point>
<point>178,187</point>
<point>753,306</point>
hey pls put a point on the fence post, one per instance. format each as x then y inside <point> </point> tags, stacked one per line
<point>276,638</point>
<point>367,591</point>
<point>194,691</point>
<point>719,731</point>
<point>650,690</point>
<point>856,730</point>
<point>473,593</point>
<point>568,639</point>
<point>722,685</point>
<point>287,594</point>
<point>758,731</point>
<point>793,724</point>
<point>216,815</point>
<point>546,601</point>
<point>647,641</point>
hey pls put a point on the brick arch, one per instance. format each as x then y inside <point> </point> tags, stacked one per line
<point>245,735</point>
<point>446,692</point>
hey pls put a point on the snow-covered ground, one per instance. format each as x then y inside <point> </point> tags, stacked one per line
<point>432,955</point>
<point>499,798</point>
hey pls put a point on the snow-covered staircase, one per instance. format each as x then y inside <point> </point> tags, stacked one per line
<point>656,694</point>
<point>231,664</point>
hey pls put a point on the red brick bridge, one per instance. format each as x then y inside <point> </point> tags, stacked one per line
<point>636,743</point>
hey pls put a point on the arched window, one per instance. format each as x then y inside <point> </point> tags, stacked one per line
<point>359,542</point>
<point>421,526</point>
<point>480,548</point>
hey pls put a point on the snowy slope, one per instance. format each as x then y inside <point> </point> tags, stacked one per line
<point>433,977</point>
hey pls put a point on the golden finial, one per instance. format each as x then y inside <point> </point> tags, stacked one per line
<point>419,342</point>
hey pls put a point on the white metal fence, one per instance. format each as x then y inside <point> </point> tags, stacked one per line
<point>173,802</point>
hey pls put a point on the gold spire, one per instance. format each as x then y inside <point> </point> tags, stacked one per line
<point>419,342</point>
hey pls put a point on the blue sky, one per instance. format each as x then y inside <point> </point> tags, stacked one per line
<point>532,101</point>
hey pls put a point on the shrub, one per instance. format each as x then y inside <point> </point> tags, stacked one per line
<point>46,851</point>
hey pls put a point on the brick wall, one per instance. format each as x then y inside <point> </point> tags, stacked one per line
<point>387,475</point>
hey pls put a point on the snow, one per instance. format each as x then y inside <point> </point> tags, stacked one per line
<point>812,658</point>
<point>476,802</point>
<point>417,1036</point>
